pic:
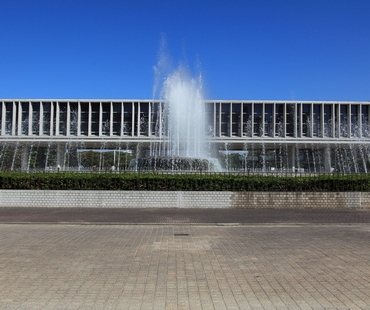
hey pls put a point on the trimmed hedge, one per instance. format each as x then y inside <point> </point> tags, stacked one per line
<point>184,182</point>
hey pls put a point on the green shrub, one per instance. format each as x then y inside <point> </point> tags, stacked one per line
<point>184,182</point>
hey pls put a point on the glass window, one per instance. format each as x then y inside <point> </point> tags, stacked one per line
<point>258,123</point>
<point>84,118</point>
<point>247,119</point>
<point>279,120</point>
<point>154,119</point>
<point>35,121</point>
<point>106,118</point>
<point>317,120</point>
<point>144,118</point>
<point>290,121</point>
<point>209,124</point>
<point>127,119</point>
<point>365,121</point>
<point>225,119</point>
<point>25,117</point>
<point>235,120</point>
<point>46,107</point>
<point>62,118</point>
<point>117,114</point>
<point>344,120</point>
<point>268,120</point>
<point>306,120</point>
<point>95,110</point>
<point>73,122</point>
<point>354,120</point>
<point>328,120</point>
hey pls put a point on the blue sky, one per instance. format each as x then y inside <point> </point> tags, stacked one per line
<point>260,49</point>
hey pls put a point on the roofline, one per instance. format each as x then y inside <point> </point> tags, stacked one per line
<point>159,100</point>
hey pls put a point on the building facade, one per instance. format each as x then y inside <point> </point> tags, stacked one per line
<point>266,135</point>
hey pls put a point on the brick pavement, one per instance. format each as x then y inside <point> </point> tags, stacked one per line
<point>269,266</point>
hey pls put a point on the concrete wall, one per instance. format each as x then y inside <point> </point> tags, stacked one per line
<point>169,199</point>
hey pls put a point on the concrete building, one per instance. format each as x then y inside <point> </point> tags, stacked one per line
<point>267,135</point>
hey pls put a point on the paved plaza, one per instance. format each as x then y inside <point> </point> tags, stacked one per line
<point>180,266</point>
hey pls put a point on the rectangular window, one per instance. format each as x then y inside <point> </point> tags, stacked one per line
<point>269,120</point>
<point>25,117</point>
<point>95,110</point>
<point>306,120</point>
<point>317,120</point>
<point>46,107</point>
<point>290,121</point>
<point>144,118</point>
<point>344,120</point>
<point>73,122</point>
<point>117,114</point>
<point>354,120</point>
<point>106,118</point>
<point>365,121</point>
<point>235,119</point>
<point>84,118</point>
<point>225,119</point>
<point>247,119</point>
<point>154,118</point>
<point>8,117</point>
<point>328,120</point>
<point>63,118</point>
<point>127,119</point>
<point>35,121</point>
<point>209,125</point>
<point>258,121</point>
<point>279,120</point>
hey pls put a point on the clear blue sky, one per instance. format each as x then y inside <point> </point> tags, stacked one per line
<point>260,49</point>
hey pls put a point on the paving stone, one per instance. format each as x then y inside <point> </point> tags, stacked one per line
<point>270,266</point>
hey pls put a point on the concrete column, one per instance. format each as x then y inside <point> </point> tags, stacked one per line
<point>111,119</point>
<point>274,119</point>
<point>133,119</point>
<point>41,119</point>
<point>295,130</point>
<point>57,116</point>
<point>122,118</point>
<point>19,120</point>
<point>100,119</point>
<point>52,117</point>
<point>30,118</point>
<point>68,125</point>
<point>284,119</point>
<point>150,119</point>
<point>359,120</point>
<point>252,119</point>
<point>89,121</point>
<point>2,121</point>
<point>311,120</point>
<point>231,120</point>
<point>78,118</point>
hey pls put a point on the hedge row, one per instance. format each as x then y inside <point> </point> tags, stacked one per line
<point>183,182</point>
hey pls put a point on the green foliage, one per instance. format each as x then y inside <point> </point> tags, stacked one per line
<point>184,182</point>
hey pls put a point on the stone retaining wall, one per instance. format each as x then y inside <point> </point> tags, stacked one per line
<point>169,199</point>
